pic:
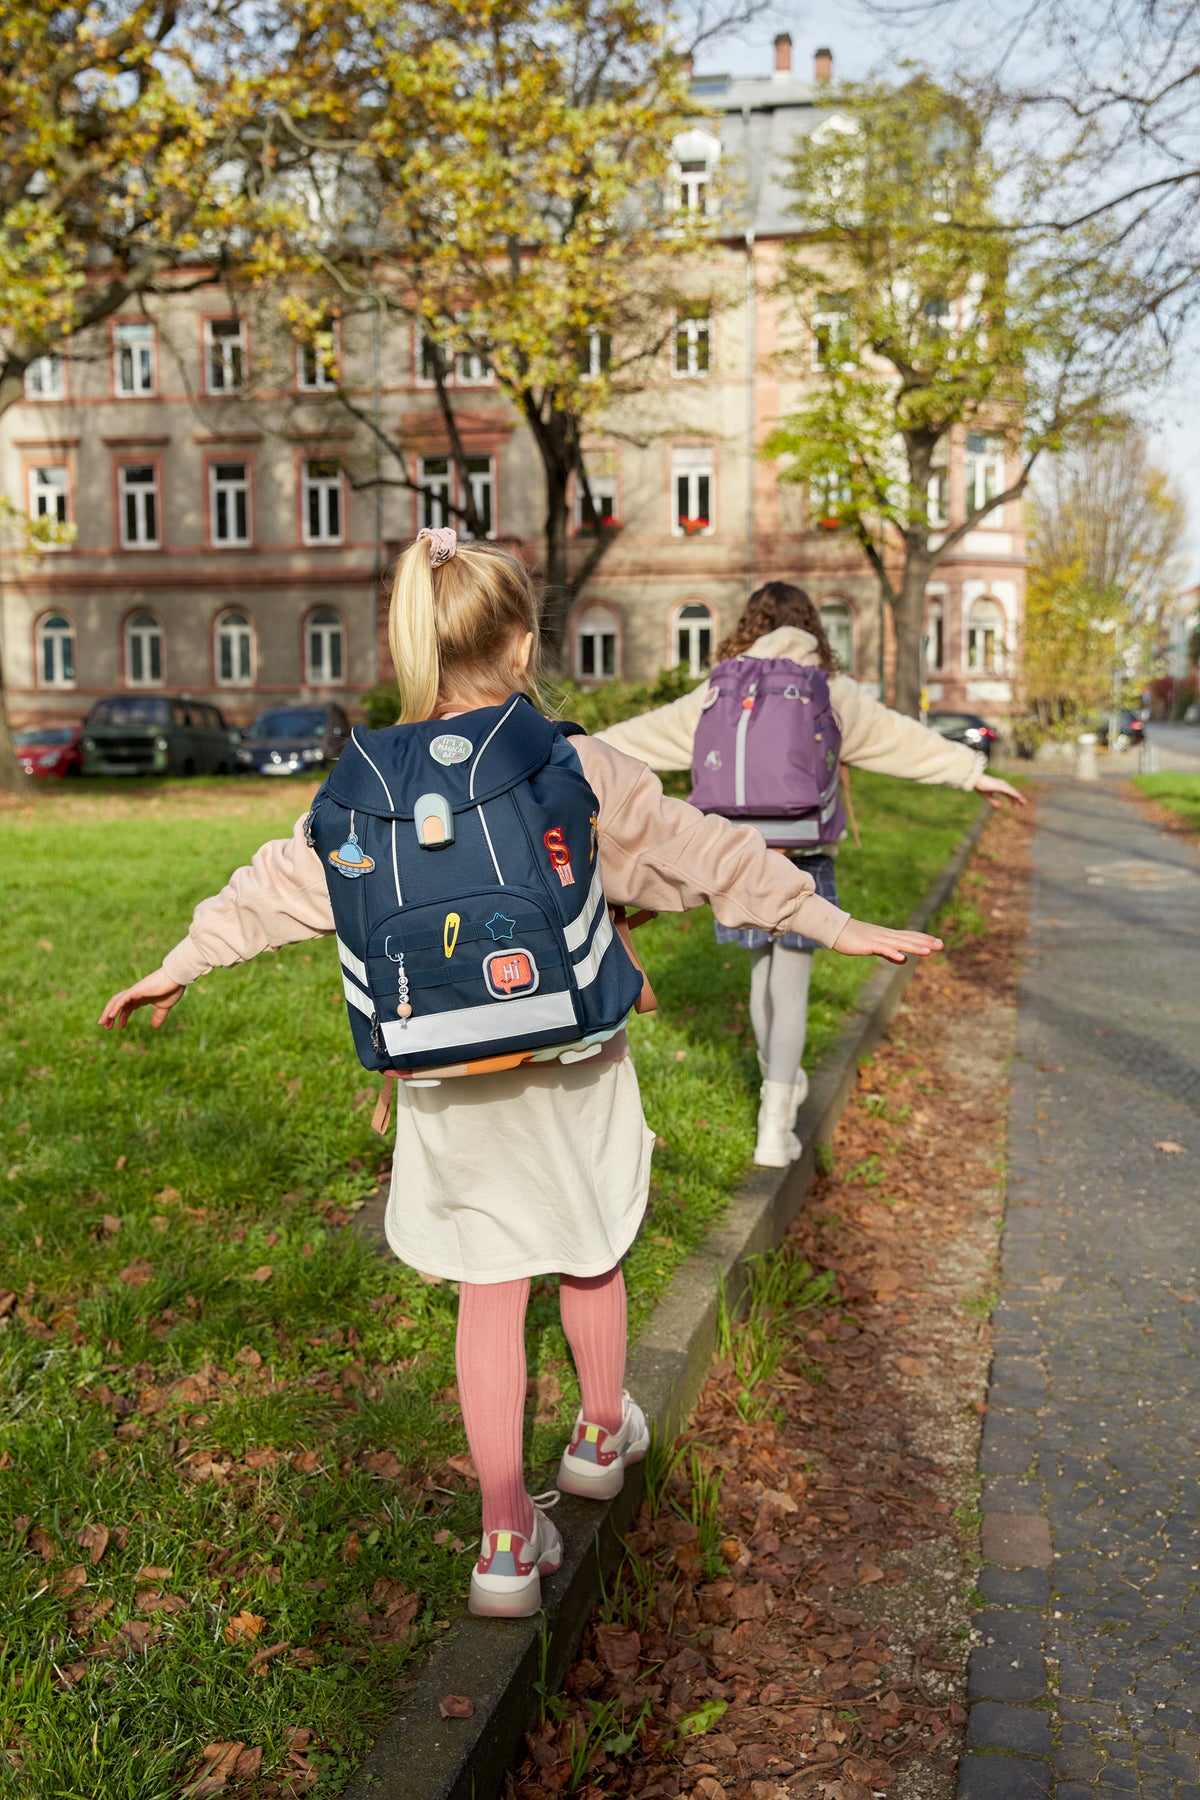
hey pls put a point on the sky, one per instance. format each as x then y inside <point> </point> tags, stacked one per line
<point>859,48</point>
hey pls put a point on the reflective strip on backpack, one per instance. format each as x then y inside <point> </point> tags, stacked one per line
<point>739,747</point>
<point>575,935</point>
<point>355,964</point>
<point>357,998</point>
<point>588,967</point>
<point>786,831</point>
<point>524,1016</point>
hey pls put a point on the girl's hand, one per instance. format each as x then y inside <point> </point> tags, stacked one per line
<point>859,939</point>
<point>994,790</point>
<point>157,990</point>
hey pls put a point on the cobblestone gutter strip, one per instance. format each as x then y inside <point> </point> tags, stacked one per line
<point>500,1665</point>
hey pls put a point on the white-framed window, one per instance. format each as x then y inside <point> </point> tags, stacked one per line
<point>695,636</point>
<point>323,647</point>
<point>133,358</point>
<point>935,316</point>
<point>137,496</point>
<point>321,500</point>
<point>985,638</point>
<point>837,622</point>
<point>49,485</point>
<point>229,502</point>
<point>595,356</point>
<point>481,477</point>
<point>234,650</point>
<point>985,472</point>
<point>604,499</point>
<point>56,651</point>
<point>224,355</point>
<point>828,497</point>
<point>472,369</point>
<point>693,340</point>
<point>939,496</point>
<point>433,473</point>
<point>143,651</point>
<point>692,492</point>
<point>596,645</point>
<point>317,360</point>
<point>430,356</point>
<point>45,378</point>
<point>935,636</point>
<point>832,332</point>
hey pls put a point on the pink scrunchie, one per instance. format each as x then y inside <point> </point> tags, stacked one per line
<point>443,542</point>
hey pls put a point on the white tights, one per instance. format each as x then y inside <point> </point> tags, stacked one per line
<point>779,981</point>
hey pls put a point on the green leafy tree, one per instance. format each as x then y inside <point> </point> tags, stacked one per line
<point>958,319</point>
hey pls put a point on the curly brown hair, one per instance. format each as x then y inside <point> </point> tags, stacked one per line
<point>777,603</point>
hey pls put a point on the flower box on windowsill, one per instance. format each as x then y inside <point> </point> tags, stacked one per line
<point>829,524</point>
<point>693,527</point>
<point>608,524</point>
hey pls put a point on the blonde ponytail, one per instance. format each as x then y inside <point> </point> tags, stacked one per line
<point>454,628</point>
<point>413,636</point>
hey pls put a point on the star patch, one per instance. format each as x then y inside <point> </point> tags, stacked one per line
<point>500,927</point>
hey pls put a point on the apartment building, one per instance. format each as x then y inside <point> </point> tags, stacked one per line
<point>232,518</point>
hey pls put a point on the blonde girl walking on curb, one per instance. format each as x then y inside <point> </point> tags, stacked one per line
<point>778,657</point>
<point>468,860</point>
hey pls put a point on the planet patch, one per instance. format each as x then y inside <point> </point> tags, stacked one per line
<point>351,860</point>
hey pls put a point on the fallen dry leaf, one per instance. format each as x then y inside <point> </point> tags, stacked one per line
<point>913,1366</point>
<point>243,1625</point>
<point>1171,1149</point>
<point>153,1572</point>
<point>43,1543</point>
<point>264,1272</point>
<point>94,1539</point>
<point>305,1461</point>
<point>72,1579</point>
<point>456,1706</point>
<point>137,1273</point>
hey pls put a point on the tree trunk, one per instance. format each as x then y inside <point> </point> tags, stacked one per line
<point>556,592</point>
<point>908,617</point>
<point>13,779</point>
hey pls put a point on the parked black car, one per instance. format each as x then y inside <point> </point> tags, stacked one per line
<point>1131,729</point>
<point>965,728</point>
<point>292,740</point>
<point>151,734</point>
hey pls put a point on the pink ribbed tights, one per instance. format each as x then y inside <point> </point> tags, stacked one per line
<point>491,1377</point>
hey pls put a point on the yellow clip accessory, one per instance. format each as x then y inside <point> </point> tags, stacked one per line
<point>450,934</point>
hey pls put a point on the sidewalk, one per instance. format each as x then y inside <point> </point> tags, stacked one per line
<point>1088,1655</point>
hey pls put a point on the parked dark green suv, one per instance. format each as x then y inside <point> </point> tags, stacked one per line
<point>149,734</point>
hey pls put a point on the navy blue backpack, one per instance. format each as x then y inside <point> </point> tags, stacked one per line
<point>472,924</point>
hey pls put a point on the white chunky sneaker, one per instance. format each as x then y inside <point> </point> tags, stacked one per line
<point>506,1582</point>
<point>799,1092</point>
<point>594,1462</point>
<point>777,1144</point>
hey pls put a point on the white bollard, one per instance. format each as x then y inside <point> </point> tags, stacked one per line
<point>1148,758</point>
<point>1085,758</point>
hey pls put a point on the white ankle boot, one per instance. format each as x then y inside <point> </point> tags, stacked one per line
<point>777,1144</point>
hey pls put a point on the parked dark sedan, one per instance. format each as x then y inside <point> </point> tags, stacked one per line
<point>965,728</point>
<point>50,750</point>
<point>291,740</point>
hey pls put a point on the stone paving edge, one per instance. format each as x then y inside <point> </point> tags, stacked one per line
<point>499,1665</point>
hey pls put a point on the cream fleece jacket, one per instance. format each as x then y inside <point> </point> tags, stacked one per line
<point>873,736</point>
<point>654,852</point>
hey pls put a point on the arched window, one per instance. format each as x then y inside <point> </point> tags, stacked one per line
<point>935,636</point>
<point>56,651</point>
<point>143,651</point>
<point>838,623</point>
<point>596,645</point>
<point>323,647</point>
<point>695,636</point>
<point>985,638</point>
<point>234,650</point>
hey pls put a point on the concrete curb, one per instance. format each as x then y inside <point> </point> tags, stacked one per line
<point>502,1665</point>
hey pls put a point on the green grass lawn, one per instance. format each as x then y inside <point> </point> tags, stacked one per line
<point>1178,793</point>
<point>201,1361</point>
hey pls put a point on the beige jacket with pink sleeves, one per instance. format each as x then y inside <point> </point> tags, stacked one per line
<point>654,852</point>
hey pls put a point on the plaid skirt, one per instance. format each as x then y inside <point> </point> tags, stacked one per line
<point>821,868</point>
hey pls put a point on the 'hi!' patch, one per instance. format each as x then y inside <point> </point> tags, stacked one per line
<point>509,973</point>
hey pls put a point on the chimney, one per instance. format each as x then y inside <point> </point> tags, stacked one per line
<point>687,66</point>
<point>783,57</point>
<point>822,67</point>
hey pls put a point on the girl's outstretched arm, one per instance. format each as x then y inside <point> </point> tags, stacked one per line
<point>157,990</point>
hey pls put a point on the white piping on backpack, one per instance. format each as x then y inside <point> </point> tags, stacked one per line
<point>491,847</point>
<point>479,753</point>
<point>395,870</point>
<point>387,790</point>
